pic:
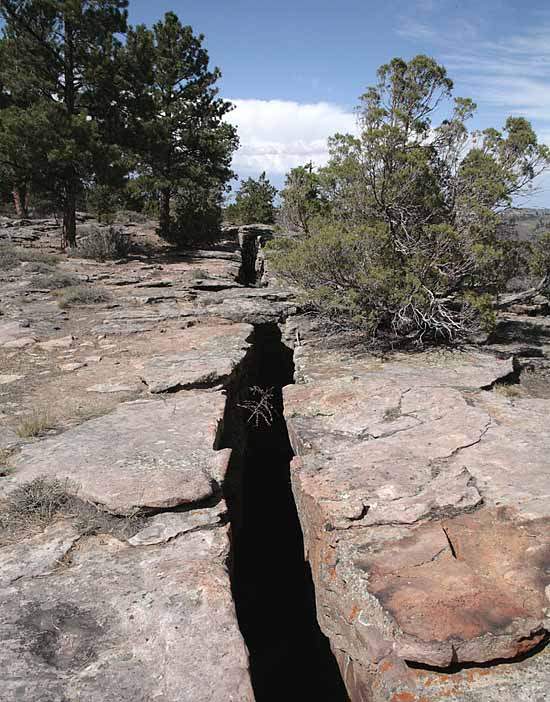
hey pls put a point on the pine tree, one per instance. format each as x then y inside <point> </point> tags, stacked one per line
<point>61,56</point>
<point>254,202</point>
<point>179,136</point>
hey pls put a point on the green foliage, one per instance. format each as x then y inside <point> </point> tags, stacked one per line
<point>177,132</point>
<point>103,201</point>
<point>409,244</point>
<point>80,111</point>
<point>60,60</point>
<point>198,215</point>
<point>301,198</point>
<point>254,203</point>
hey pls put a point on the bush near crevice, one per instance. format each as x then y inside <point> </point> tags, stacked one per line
<point>402,242</point>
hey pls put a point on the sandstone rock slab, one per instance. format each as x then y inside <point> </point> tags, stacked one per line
<point>206,356</point>
<point>150,454</point>
<point>127,624</point>
<point>64,342</point>
<point>167,525</point>
<point>37,555</point>
<point>7,379</point>
<point>423,499</point>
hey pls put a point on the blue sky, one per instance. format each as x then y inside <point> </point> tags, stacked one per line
<point>295,68</point>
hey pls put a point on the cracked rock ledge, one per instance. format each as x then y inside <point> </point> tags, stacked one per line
<point>423,498</point>
<point>422,494</point>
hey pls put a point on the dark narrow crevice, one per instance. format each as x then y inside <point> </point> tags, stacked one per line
<point>248,242</point>
<point>290,658</point>
<point>451,546</point>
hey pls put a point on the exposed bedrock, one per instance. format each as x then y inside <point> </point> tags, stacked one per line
<point>423,498</point>
<point>174,570</point>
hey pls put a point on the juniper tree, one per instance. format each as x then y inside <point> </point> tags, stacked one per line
<point>178,133</point>
<point>301,198</point>
<point>410,245</point>
<point>61,54</point>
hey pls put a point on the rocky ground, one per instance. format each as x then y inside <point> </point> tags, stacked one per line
<point>421,483</point>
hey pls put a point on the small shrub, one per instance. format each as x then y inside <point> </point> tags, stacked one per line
<point>199,274</point>
<point>8,259</point>
<point>260,406</point>
<point>81,295</point>
<point>105,245</point>
<point>35,424</point>
<point>55,281</point>
<point>352,281</point>
<point>34,504</point>
<point>11,257</point>
<point>509,390</point>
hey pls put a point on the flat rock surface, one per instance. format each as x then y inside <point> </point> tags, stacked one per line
<point>124,594</point>
<point>37,555</point>
<point>202,356</point>
<point>127,624</point>
<point>423,498</point>
<point>153,453</point>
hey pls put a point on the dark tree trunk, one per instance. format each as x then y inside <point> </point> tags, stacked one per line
<point>20,201</point>
<point>164,211</point>
<point>69,218</point>
<point>68,237</point>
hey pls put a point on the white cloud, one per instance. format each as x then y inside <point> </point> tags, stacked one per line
<point>277,135</point>
<point>412,29</point>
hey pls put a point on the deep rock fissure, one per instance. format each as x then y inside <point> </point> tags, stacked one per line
<point>290,658</point>
<point>249,244</point>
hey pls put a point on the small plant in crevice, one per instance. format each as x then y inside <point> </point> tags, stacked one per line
<point>260,406</point>
<point>510,390</point>
<point>391,414</point>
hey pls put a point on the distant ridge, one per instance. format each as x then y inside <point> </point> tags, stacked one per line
<point>525,223</point>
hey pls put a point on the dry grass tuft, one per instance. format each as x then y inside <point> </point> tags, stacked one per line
<point>55,280</point>
<point>81,295</point>
<point>11,257</point>
<point>35,504</point>
<point>507,390</point>
<point>35,424</point>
